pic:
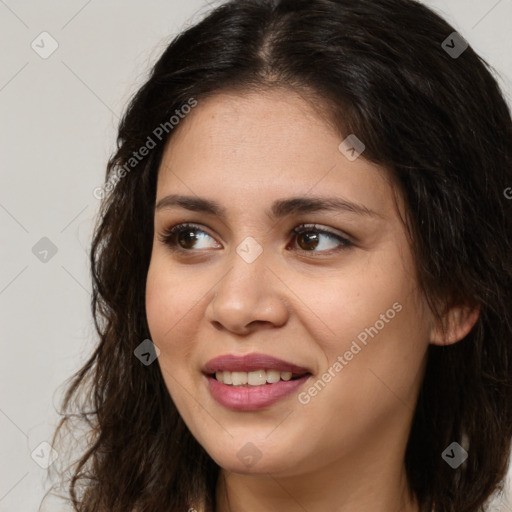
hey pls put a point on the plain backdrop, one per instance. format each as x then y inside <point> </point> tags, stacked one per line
<point>59,117</point>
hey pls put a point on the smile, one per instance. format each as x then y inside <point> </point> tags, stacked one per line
<point>255,378</point>
<point>252,381</point>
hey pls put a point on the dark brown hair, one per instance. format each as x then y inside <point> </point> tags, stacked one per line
<point>442,126</point>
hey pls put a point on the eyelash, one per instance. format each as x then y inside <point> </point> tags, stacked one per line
<point>168,237</point>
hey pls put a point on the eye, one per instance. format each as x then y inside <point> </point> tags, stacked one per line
<point>309,238</point>
<point>185,237</point>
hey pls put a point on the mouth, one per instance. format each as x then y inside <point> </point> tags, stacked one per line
<point>252,381</point>
<point>262,377</point>
<point>252,369</point>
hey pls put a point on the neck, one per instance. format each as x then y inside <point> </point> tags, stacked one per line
<point>370,479</point>
<point>236,493</point>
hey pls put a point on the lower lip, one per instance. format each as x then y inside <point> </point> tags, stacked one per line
<point>251,398</point>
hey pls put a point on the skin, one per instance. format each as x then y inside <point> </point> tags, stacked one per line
<point>344,450</point>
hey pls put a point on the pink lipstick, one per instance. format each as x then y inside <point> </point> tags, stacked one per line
<point>252,381</point>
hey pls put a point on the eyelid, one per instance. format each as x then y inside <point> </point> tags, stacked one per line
<point>344,239</point>
<point>171,230</point>
<point>322,229</point>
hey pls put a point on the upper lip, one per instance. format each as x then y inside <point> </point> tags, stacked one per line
<point>251,362</point>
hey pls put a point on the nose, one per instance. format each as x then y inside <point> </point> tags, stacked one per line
<point>250,296</point>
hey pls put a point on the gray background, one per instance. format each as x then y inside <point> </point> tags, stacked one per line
<point>59,118</point>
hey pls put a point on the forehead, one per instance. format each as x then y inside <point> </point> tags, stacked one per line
<point>262,145</point>
<point>249,124</point>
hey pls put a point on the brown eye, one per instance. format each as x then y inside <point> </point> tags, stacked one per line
<point>309,238</point>
<point>186,237</point>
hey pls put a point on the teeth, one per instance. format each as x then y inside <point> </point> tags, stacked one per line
<point>273,376</point>
<point>256,378</point>
<point>239,378</point>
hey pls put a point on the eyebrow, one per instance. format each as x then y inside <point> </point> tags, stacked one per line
<point>279,209</point>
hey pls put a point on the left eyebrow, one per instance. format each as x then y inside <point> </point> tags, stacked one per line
<point>283,207</point>
<point>279,209</point>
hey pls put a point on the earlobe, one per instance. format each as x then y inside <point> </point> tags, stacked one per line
<point>455,324</point>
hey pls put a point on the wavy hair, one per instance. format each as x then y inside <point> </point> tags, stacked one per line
<point>443,128</point>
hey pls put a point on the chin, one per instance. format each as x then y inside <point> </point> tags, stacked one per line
<point>250,460</point>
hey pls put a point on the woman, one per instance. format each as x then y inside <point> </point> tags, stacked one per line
<point>302,277</point>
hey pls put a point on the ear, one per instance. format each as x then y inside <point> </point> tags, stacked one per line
<point>455,324</point>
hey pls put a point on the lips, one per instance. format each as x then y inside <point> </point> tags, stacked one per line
<point>225,378</point>
<point>250,363</point>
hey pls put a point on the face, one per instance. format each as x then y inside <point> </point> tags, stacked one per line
<point>255,285</point>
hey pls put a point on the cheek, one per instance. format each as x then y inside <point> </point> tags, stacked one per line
<point>170,315</point>
<point>160,306</point>
<point>383,346</point>
<point>374,317</point>
<point>171,300</point>
<point>349,301</point>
